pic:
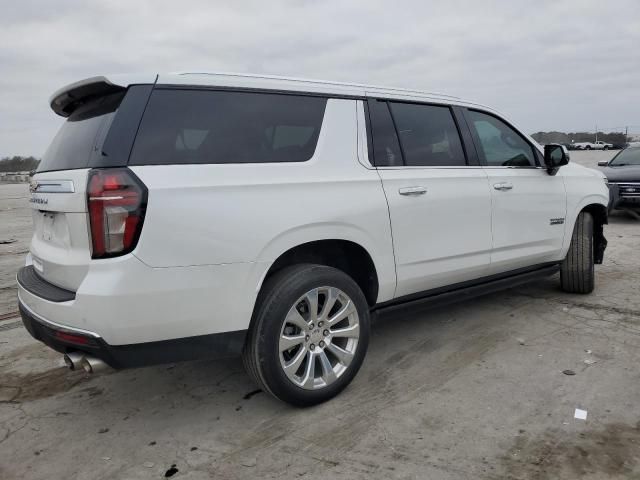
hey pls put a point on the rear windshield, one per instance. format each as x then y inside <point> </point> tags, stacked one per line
<point>200,126</point>
<point>80,135</point>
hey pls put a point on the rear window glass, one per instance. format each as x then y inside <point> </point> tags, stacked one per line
<point>428,135</point>
<point>200,126</point>
<point>80,135</point>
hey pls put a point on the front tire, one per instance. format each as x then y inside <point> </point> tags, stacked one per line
<point>577,270</point>
<point>309,334</point>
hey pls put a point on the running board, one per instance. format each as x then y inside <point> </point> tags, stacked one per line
<point>464,291</point>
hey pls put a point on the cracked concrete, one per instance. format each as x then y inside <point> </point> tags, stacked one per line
<point>470,391</point>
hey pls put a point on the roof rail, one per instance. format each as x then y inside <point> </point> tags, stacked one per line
<point>322,82</point>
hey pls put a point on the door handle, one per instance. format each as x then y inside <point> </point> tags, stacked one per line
<point>503,186</point>
<point>412,191</point>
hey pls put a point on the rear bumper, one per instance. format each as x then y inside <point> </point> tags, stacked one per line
<point>66,339</point>
<point>126,302</point>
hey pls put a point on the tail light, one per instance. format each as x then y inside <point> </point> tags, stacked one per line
<point>117,201</point>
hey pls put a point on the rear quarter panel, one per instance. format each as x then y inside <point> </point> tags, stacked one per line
<point>238,213</point>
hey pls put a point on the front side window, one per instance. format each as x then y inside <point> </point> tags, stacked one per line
<point>428,135</point>
<point>499,144</point>
<point>200,126</point>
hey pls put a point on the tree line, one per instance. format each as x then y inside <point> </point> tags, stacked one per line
<point>616,138</point>
<point>18,163</point>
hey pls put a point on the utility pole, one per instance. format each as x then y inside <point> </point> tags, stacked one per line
<point>626,134</point>
<point>596,132</point>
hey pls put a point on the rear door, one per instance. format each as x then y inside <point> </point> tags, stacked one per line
<point>529,205</point>
<point>97,133</point>
<point>439,202</point>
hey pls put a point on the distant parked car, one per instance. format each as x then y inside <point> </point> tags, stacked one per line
<point>599,145</point>
<point>623,174</point>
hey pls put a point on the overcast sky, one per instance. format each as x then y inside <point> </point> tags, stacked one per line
<point>548,65</point>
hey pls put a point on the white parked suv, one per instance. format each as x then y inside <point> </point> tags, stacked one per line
<point>192,215</point>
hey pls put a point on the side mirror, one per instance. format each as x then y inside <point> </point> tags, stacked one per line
<point>555,156</point>
<point>603,163</point>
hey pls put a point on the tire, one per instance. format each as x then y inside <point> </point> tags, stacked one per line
<point>606,148</point>
<point>588,147</point>
<point>577,271</point>
<point>283,312</point>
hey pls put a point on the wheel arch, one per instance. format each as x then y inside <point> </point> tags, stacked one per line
<point>345,255</point>
<point>597,207</point>
<point>600,216</point>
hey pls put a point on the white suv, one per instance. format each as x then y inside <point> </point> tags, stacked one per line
<point>189,215</point>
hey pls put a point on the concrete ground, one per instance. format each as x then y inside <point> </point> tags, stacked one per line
<point>470,391</point>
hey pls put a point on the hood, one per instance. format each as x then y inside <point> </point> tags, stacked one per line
<point>629,173</point>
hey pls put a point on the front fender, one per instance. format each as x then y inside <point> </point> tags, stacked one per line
<point>574,209</point>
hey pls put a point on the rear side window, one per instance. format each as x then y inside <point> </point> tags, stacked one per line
<point>428,135</point>
<point>386,149</point>
<point>200,126</point>
<point>78,138</point>
<point>500,145</point>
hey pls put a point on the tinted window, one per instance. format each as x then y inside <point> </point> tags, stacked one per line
<point>428,135</point>
<point>499,144</point>
<point>628,156</point>
<point>386,149</point>
<point>198,126</point>
<point>75,142</point>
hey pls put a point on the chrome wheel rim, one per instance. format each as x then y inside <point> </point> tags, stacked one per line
<point>319,338</point>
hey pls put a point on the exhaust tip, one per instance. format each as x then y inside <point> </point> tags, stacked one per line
<point>73,360</point>
<point>86,366</point>
<point>68,362</point>
<point>92,364</point>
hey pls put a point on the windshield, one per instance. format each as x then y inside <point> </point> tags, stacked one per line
<point>75,141</point>
<point>628,156</point>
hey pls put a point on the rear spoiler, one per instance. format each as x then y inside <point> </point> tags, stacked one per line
<point>68,98</point>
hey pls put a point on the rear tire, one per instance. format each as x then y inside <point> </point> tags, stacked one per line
<point>577,270</point>
<point>301,357</point>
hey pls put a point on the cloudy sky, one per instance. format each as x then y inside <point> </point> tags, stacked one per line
<point>549,65</point>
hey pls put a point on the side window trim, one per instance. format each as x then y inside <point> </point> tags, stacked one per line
<point>367,120</point>
<point>395,128</point>
<point>469,146</point>
<point>476,140</point>
<point>372,155</point>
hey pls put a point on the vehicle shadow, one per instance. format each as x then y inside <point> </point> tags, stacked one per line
<point>399,337</point>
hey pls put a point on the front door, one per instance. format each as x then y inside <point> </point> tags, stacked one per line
<point>528,204</point>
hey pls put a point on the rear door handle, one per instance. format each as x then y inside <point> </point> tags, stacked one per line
<point>412,191</point>
<point>503,186</point>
